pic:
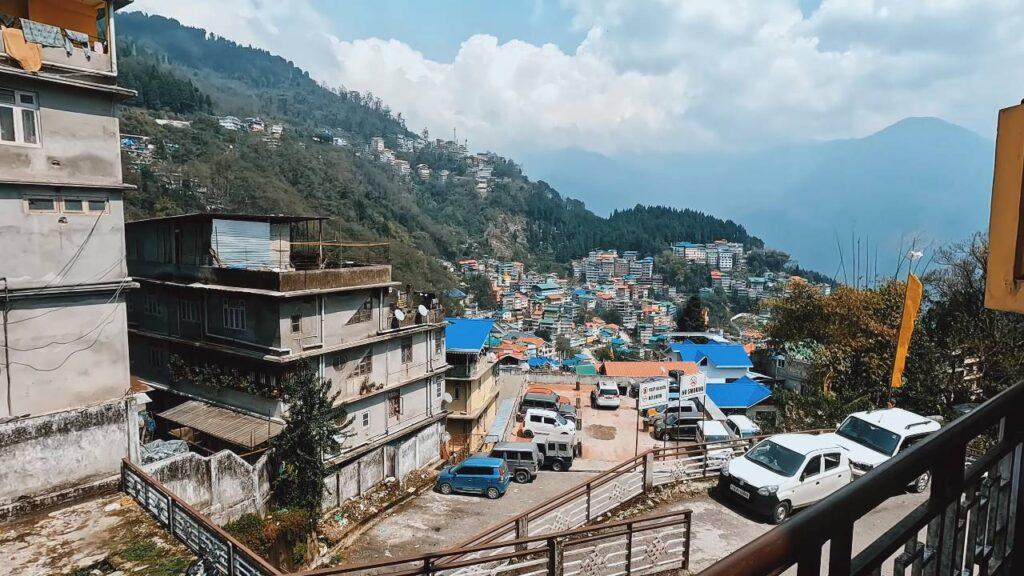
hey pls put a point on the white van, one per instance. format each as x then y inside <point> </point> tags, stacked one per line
<point>785,472</point>
<point>540,422</point>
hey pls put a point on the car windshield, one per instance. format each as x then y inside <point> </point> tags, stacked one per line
<point>867,434</point>
<point>609,392</point>
<point>561,420</point>
<point>776,458</point>
<point>715,438</point>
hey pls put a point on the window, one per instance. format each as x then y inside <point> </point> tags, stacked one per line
<point>366,419</point>
<point>437,388</point>
<point>41,204</point>
<point>364,366</point>
<point>188,310</point>
<point>96,206</point>
<point>19,118</point>
<point>156,357</point>
<point>457,391</point>
<point>73,205</point>
<point>832,461</point>
<point>406,350</point>
<point>296,323</point>
<point>536,418</point>
<point>152,305</point>
<point>234,314</point>
<point>438,342</point>
<point>337,361</point>
<point>364,313</point>
<point>395,403</point>
<point>813,468</point>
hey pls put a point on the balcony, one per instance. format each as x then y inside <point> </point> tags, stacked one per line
<point>72,36</point>
<point>972,523</point>
<point>411,311</point>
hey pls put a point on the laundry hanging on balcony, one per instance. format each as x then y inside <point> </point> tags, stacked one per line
<point>29,56</point>
<point>42,34</point>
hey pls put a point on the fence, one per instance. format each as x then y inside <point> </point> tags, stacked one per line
<point>972,523</point>
<point>196,531</point>
<point>639,546</point>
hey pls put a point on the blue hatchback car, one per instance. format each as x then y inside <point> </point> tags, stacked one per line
<point>476,475</point>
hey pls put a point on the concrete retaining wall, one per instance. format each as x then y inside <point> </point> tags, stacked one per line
<point>49,459</point>
<point>222,486</point>
<point>363,474</point>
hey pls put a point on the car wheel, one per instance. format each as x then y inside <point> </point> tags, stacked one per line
<point>922,482</point>
<point>522,476</point>
<point>445,488</point>
<point>557,466</point>
<point>664,437</point>
<point>528,433</point>
<point>493,493</point>
<point>780,513</point>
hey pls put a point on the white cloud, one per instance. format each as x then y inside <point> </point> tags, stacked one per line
<point>660,74</point>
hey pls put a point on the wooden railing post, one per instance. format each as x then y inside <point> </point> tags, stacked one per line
<point>522,530</point>
<point>629,548</point>
<point>554,557</point>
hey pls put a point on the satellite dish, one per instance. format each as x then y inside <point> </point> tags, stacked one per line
<point>399,315</point>
<point>447,398</point>
<point>422,310</point>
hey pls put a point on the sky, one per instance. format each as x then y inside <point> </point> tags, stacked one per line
<point>645,76</point>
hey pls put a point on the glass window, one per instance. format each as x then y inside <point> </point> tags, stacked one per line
<point>867,434</point>
<point>366,419</point>
<point>234,314</point>
<point>19,117</point>
<point>364,366</point>
<point>296,323</point>
<point>813,468</point>
<point>73,205</point>
<point>406,350</point>
<point>188,310</point>
<point>152,305</point>
<point>42,205</point>
<point>775,458</point>
<point>96,205</point>
<point>832,461</point>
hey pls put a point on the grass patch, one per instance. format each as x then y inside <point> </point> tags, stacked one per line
<point>159,561</point>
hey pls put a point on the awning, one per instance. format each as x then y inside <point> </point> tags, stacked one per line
<point>228,425</point>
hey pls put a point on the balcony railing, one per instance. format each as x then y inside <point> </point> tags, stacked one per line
<point>410,319</point>
<point>971,523</point>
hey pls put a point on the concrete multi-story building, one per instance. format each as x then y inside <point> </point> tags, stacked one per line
<point>471,381</point>
<point>67,415</point>
<point>229,305</point>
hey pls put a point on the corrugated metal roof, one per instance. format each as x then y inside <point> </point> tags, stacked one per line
<point>467,334</point>
<point>742,393</point>
<point>228,425</point>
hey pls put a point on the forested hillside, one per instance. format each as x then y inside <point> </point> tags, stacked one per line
<point>182,73</point>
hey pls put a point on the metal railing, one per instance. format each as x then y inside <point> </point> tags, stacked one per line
<point>972,522</point>
<point>647,545</point>
<point>200,534</point>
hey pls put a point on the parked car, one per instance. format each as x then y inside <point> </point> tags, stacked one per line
<point>605,395</point>
<point>784,473</point>
<point>711,431</point>
<point>476,475</point>
<point>524,459</point>
<point>875,436</point>
<point>686,408</point>
<point>545,400</point>
<point>539,422</point>
<point>741,426</point>
<point>675,427</point>
<point>568,411</point>
<point>558,452</point>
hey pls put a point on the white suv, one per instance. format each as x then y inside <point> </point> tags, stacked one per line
<point>540,422</point>
<point>875,436</point>
<point>606,395</point>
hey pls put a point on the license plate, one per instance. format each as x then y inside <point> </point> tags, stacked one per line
<point>739,491</point>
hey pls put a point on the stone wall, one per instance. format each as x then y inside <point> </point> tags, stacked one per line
<point>222,486</point>
<point>53,458</point>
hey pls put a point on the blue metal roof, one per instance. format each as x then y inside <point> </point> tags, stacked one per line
<point>467,334</point>
<point>742,393</point>
<point>538,361</point>
<point>719,355</point>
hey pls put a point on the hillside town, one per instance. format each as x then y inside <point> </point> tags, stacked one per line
<point>240,391</point>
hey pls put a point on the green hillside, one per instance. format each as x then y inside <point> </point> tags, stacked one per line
<point>183,73</point>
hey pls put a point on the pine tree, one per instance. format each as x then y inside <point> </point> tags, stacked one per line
<point>690,318</point>
<point>313,422</point>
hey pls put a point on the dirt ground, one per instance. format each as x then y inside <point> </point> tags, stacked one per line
<point>109,535</point>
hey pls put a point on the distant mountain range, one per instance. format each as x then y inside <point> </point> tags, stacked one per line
<point>921,177</point>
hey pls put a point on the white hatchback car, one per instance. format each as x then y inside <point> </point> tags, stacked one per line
<point>875,436</point>
<point>606,395</point>
<point>785,472</point>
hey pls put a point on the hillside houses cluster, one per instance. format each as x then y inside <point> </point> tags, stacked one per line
<point>728,270</point>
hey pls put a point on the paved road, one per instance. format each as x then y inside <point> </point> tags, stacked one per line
<point>433,522</point>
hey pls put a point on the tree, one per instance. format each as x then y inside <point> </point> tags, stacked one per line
<point>564,348</point>
<point>543,333</point>
<point>312,423</point>
<point>611,316</point>
<point>690,318</point>
<point>479,286</point>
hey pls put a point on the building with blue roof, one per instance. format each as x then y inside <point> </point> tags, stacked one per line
<point>743,396</point>
<point>719,361</point>
<point>471,382</point>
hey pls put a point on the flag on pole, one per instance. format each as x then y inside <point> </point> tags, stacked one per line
<point>911,304</point>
